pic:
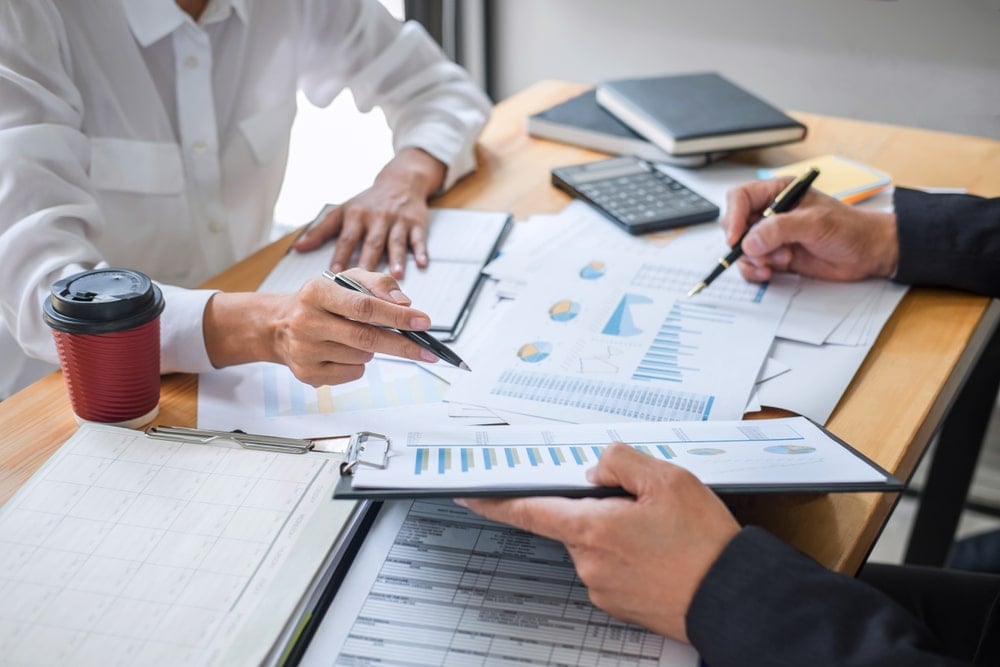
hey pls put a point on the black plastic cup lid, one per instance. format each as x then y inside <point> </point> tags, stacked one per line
<point>102,301</point>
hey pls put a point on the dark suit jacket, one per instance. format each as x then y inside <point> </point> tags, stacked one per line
<point>765,603</point>
<point>949,241</point>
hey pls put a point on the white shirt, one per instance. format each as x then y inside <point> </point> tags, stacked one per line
<point>133,136</point>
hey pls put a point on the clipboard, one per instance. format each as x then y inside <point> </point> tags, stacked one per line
<point>232,509</point>
<point>870,476</point>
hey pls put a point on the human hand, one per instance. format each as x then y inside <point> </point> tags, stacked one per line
<point>387,218</point>
<point>641,558</point>
<point>324,333</point>
<point>821,237</point>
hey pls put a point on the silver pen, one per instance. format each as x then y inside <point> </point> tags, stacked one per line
<point>421,338</point>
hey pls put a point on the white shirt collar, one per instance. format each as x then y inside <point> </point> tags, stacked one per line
<point>152,20</point>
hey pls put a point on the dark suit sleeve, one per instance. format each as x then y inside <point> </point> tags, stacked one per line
<point>948,240</point>
<point>765,603</point>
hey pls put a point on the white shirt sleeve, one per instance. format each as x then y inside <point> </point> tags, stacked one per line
<point>429,102</point>
<point>55,219</point>
<point>48,213</point>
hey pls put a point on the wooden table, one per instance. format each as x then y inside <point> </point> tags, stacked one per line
<point>889,412</point>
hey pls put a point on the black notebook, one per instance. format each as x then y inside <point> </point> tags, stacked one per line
<point>582,122</point>
<point>687,114</point>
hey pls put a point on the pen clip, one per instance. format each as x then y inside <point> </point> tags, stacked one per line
<point>347,281</point>
<point>267,443</point>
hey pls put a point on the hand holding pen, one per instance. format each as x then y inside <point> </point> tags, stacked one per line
<point>421,338</point>
<point>785,201</point>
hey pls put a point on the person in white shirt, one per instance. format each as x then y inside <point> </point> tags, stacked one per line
<point>153,135</point>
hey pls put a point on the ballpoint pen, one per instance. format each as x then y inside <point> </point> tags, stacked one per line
<point>421,338</point>
<point>786,200</point>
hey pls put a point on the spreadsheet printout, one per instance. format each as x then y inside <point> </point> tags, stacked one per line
<point>127,550</point>
<point>435,584</point>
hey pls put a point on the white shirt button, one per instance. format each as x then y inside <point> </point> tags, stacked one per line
<point>191,62</point>
<point>214,226</point>
<point>199,147</point>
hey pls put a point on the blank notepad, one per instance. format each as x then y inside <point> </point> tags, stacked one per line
<point>124,549</point>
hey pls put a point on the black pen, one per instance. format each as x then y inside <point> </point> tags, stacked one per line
<point>421,338</point>
<point>786,200</point>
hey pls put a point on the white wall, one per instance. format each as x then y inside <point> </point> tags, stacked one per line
<point>926,63</point>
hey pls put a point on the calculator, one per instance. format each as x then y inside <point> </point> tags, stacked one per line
<point>634,194</point>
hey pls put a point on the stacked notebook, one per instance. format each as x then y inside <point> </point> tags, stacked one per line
<point>682,119</point>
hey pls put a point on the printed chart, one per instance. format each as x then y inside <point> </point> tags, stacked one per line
<point>601,338</point>
<point>385,384</point>
<point>778,452</point>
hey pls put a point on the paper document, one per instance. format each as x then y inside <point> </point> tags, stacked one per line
<point>268,399</point>
<point>434,584</point>
<point>606,333</point>
<point>756,455</point>
<point>122,549</point>
<point>459,243</point>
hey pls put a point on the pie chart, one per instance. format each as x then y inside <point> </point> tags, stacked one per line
<point>534,352</point>
<point>564,310</point>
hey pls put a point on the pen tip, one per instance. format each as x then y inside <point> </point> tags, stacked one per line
<point>465,367</point>
<point>697,288</point>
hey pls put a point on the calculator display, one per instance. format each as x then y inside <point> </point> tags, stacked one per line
<point>635,194</point>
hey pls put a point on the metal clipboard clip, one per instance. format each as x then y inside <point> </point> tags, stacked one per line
<point>365,449</point>
<point>267,443</point>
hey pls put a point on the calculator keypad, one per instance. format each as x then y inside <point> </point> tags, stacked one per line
<point>645,197</point>
<point>635,194</point>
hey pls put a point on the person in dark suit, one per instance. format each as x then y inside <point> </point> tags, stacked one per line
<point>673,559</point>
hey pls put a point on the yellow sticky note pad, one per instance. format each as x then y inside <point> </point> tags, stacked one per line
<point>839,177</point>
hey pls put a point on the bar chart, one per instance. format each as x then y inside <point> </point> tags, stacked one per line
<point>451,460</point>
<point>385,384</point>
<point>671,353</point>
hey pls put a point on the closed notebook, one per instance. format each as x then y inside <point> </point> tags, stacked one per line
<point>697,113</point>
<point>582,122</point>
<point>839,177</point>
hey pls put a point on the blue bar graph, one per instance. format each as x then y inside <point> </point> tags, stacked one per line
<point>669,355</point>
<point>467,459</point>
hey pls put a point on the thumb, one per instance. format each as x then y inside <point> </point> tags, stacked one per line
<point>772,233</point>
<point>624,466</point>
<point>324,227</point>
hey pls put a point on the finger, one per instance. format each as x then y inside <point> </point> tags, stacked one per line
<point>418,242</point>
<point>770,234</point>
<point>351,231</point>
<point>328,373</point>
<point>370,309</point>
<point>753,271</point>
<point>373,246</point>
<point>396,249</point>
<point>780,260</point>
<point>550,517</point>
<point>324,227</point>
<point>381,285</point>
<point>746,203</point>
<point>624,466</point>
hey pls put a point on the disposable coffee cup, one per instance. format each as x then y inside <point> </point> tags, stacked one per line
<point>106,324</point>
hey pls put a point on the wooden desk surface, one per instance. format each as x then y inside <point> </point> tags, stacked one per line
<point>889,412</point>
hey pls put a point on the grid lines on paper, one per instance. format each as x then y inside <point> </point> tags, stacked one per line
<point>646,403</point>
<point>139,548</point>
<point>673,279</point>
